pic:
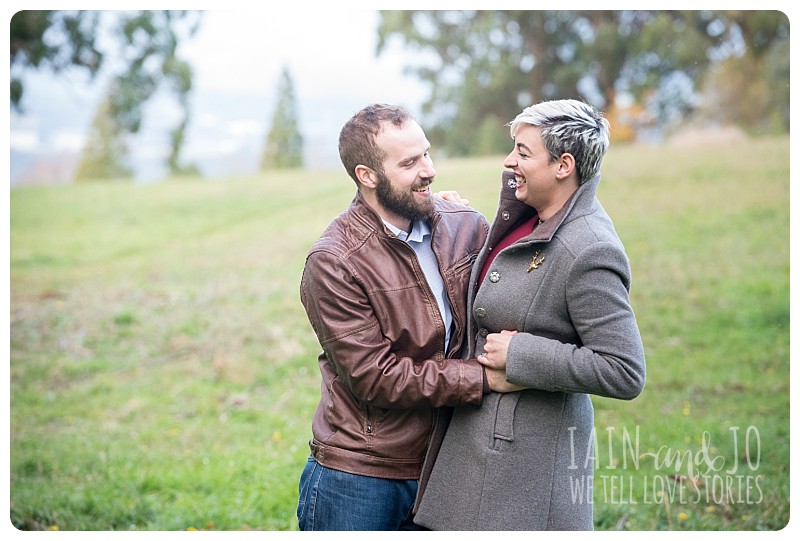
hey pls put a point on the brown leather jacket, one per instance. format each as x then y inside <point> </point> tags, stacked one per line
<point>383,364</point>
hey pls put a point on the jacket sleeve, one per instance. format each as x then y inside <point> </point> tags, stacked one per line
<point>350,335</point>
<point>610,359</point>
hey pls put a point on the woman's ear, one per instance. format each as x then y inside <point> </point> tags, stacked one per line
<point>566,166</point>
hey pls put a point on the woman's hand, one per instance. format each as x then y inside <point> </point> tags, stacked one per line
<point>496,350</point>
<point>453,196</point>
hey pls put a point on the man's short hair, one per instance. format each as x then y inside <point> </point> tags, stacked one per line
<point>357,139</point>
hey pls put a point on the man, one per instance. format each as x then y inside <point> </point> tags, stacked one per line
<point>385,291</point>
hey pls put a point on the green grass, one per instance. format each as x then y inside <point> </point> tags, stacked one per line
<point>163,373</point>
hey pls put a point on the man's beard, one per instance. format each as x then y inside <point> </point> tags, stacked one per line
<point>403,204</point>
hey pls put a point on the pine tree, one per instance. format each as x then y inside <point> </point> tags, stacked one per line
<point>105,151</point>
<point>284,146</point>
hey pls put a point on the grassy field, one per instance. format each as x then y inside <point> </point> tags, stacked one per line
<point>163,372</point>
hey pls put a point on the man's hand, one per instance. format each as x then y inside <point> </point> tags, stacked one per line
<point>453,196</point>
<point>498,383</point>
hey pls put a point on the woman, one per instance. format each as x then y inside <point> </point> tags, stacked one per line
<point>552,322</point>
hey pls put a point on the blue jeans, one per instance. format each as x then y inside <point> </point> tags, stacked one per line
<point>335,500</point>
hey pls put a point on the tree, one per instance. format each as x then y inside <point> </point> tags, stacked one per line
<point>284,145</point>
<point>70,41</point>
<point>147,59</point>
<point>480,64</point>
<point>750,87</point>
<point>105,149</point>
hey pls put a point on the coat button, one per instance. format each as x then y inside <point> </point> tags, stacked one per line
<point>494,277</point>
<point>506,215</point>
<point>484,332</point>
<point>480,312</point>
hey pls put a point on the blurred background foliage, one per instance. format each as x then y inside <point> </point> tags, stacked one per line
<point>146,59</point>
<point>651,72</point>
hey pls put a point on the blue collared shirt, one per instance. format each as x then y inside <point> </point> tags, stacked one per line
<point>420,241</point>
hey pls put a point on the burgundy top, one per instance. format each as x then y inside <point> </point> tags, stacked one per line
<point>523,229</point>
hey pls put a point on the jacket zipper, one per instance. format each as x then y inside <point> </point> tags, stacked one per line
<point>453,313</point>
<point>370,428</point>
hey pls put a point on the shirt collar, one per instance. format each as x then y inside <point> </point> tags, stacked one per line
<point>419,231</point>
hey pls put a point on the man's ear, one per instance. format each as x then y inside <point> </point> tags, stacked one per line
<point>366,176</point>
<point>566,166</point>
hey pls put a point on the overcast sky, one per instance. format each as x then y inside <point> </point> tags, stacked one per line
<point>237,56</point>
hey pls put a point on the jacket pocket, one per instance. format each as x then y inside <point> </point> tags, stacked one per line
<point>461,269</point>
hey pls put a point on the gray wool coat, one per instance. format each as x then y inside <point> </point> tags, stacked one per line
<point>523,460</point>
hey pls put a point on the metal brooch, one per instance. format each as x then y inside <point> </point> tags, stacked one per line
<point>537,260</point>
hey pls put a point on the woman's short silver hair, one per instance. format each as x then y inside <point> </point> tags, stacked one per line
<point>569,126</point>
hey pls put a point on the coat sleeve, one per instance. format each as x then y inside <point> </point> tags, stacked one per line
<point>609,361</point>
<point>350,334</point>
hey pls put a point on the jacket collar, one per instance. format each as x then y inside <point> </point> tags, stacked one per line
<point>510,210</point>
